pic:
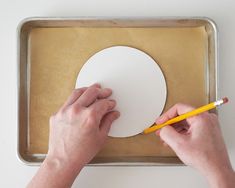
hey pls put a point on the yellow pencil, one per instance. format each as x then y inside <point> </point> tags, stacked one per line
<point>187,115</point>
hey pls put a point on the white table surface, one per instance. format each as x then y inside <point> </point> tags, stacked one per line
<point>14,174</point>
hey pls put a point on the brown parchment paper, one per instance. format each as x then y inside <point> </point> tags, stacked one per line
<point>56,56</point>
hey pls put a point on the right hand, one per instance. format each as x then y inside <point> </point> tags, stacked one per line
<point>197,141</point>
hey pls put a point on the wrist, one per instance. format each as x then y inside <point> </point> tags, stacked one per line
<point>55,172</point>
<point>222,177</point>
<point>66,160</point>
<point>62,166</point>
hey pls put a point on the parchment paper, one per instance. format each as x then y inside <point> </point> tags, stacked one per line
<point>57,54</point>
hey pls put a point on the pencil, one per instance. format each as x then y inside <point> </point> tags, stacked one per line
<point>187,115</point>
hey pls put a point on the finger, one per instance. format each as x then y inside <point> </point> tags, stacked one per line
<point>74,96</point>
<point>177,126</point>
<point>169,135</point>
<point>176,110</point>
<point>102,107</point>
<point>91,94</point>
<point>107,121</point>
<point>157,132</point>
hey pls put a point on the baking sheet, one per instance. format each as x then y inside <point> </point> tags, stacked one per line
<point>126,31</point>
<point>56,55</point>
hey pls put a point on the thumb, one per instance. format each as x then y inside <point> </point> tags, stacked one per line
<point>169,135</point>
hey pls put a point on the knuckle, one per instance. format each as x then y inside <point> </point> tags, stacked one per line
<point>179,104</point>
<point>75,91</point>
<point>74,110</point>
<point>183,105</point>
<point>204,116</point>
<point>71,114</point>
<point>90,122</point>
<point>109,103</point>
<point>91,113</point>
<point>91,117</point>
<point>106,103</point>
<point>94,90</point>
<point>167,116</point>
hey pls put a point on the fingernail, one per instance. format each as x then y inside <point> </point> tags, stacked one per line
<point>108,90</point>
<point>117,114</point>
<point>112,103</point>
<point>96,85</point>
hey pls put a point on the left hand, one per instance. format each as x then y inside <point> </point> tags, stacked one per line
<point>79,129</point>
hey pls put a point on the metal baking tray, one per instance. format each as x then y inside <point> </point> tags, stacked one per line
<point>24,75</point>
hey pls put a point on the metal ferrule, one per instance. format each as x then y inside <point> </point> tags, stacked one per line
<point>219,102</point>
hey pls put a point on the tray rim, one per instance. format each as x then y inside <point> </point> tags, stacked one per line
<point>103,18</point>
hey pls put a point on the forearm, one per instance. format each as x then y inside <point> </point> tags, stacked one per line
<point>222,178</point>
<point>55,173</point>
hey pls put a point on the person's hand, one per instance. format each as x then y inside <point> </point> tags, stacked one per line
<point>77,132</point>
<point>79,129</point>
<point>197,141</point>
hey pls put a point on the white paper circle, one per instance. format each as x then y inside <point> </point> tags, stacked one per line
<point>137,82</point>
